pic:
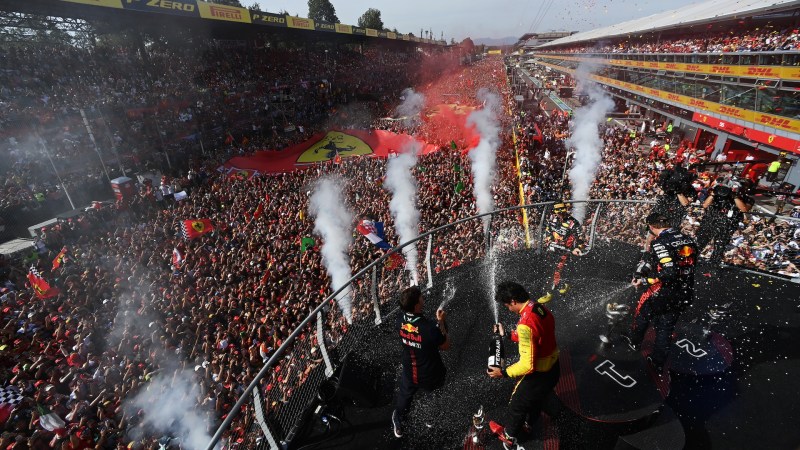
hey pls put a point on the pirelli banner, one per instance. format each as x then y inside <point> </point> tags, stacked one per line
<point>769,72</point>
<point>214,11</point>
<point>767,120</point>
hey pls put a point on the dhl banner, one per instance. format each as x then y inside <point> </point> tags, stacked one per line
<point>372,33</point>
<point>771,72</point>
<point>223,12</point>
<point>495,52</point>
<point>346,29</point>
<point>768,120</point>
<point>106,3</point>
<point>184,8</point>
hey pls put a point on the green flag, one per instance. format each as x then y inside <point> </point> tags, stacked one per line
<point>307,242</point>
<point>453,145</point>
<point>457,168</point>
<point>459,187</point>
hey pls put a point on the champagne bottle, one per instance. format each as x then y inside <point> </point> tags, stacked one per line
<point>497,353</point>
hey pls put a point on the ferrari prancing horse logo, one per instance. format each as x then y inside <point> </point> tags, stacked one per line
<point>335,143</point>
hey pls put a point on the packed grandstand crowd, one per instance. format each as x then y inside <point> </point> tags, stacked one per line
<point>762,38</point>
<point>128,311</point>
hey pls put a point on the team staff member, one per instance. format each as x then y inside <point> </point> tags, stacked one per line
<point>668,273</point>
<point>422,365</point>
<point>537,370</point>
<point>565,235</point>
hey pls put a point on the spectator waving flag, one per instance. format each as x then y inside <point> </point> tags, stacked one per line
<point>51,422</point>
<point>177,258</point>
<point>194,228</point>
<point>374,233</point>
<point>9,397</point>
<point>60,259</point>
<point>40,285</point>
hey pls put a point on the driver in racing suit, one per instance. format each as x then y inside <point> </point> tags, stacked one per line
<point>565,235</point>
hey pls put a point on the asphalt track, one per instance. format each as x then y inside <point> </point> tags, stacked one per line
<point>738,393</point>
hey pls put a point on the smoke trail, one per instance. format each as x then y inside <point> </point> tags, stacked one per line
<point>586,139</point>
<point>401,183</point>
<point>333,221</point>
<point>412,104</point>
<point>483,156</point>
<point>170,408</point>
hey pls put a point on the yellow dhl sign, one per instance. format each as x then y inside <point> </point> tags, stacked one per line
<point>495,52</point>
<point>772,72</point>
<point>770,120</point>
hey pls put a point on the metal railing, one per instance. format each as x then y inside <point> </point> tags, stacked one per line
<point>274,405</point>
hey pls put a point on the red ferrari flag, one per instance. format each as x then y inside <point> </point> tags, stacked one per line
<point>40,285</point>
<point>60,258</point>
<point>194,228</point>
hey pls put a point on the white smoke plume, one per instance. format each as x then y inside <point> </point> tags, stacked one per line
<point>333,223</point>
<point>412,104</point>
<point>170,408</point>
<point>484,155</point>
<point>401,183</point>
<point>586,139</point>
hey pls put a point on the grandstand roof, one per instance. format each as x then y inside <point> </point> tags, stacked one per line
<point>710,11</point>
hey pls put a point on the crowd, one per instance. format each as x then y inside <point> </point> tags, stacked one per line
<point>785,37</point>
<point>129,315</point>
<point>161,107</point>
<point>140,307</point>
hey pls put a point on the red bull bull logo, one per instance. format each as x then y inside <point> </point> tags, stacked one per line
<point>408,328</point>
<point>686,251</point>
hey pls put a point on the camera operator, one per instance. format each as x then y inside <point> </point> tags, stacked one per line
<point>724,209</point>
<point>677,186</point>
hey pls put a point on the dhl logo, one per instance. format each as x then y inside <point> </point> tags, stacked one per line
<point>653,65</point>
<point>672,66</point>
<point>674,97</point>
<point>693,68</point>
<point>225,13</point>
<point>722,69</point>
<point>761,71</point>
<point>408,328</point>
<point>654,92</point>
<point>774,121</point>
<point>731,111</point>
<point>639,63</point>
<point>696,102</point>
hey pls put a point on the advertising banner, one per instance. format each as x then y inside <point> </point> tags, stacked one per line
<point>263,18</point>
<point>180,8</point>
<point>223,12</point>
<point>300,23</point>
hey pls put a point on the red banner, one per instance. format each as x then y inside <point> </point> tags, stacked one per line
<point>325,147</point>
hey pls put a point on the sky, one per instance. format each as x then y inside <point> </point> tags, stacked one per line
<point>459,19</point>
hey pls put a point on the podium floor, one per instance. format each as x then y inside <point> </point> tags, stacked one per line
<point>606,391</point>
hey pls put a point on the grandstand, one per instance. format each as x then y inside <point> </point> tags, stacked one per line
<point>165,283</point>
